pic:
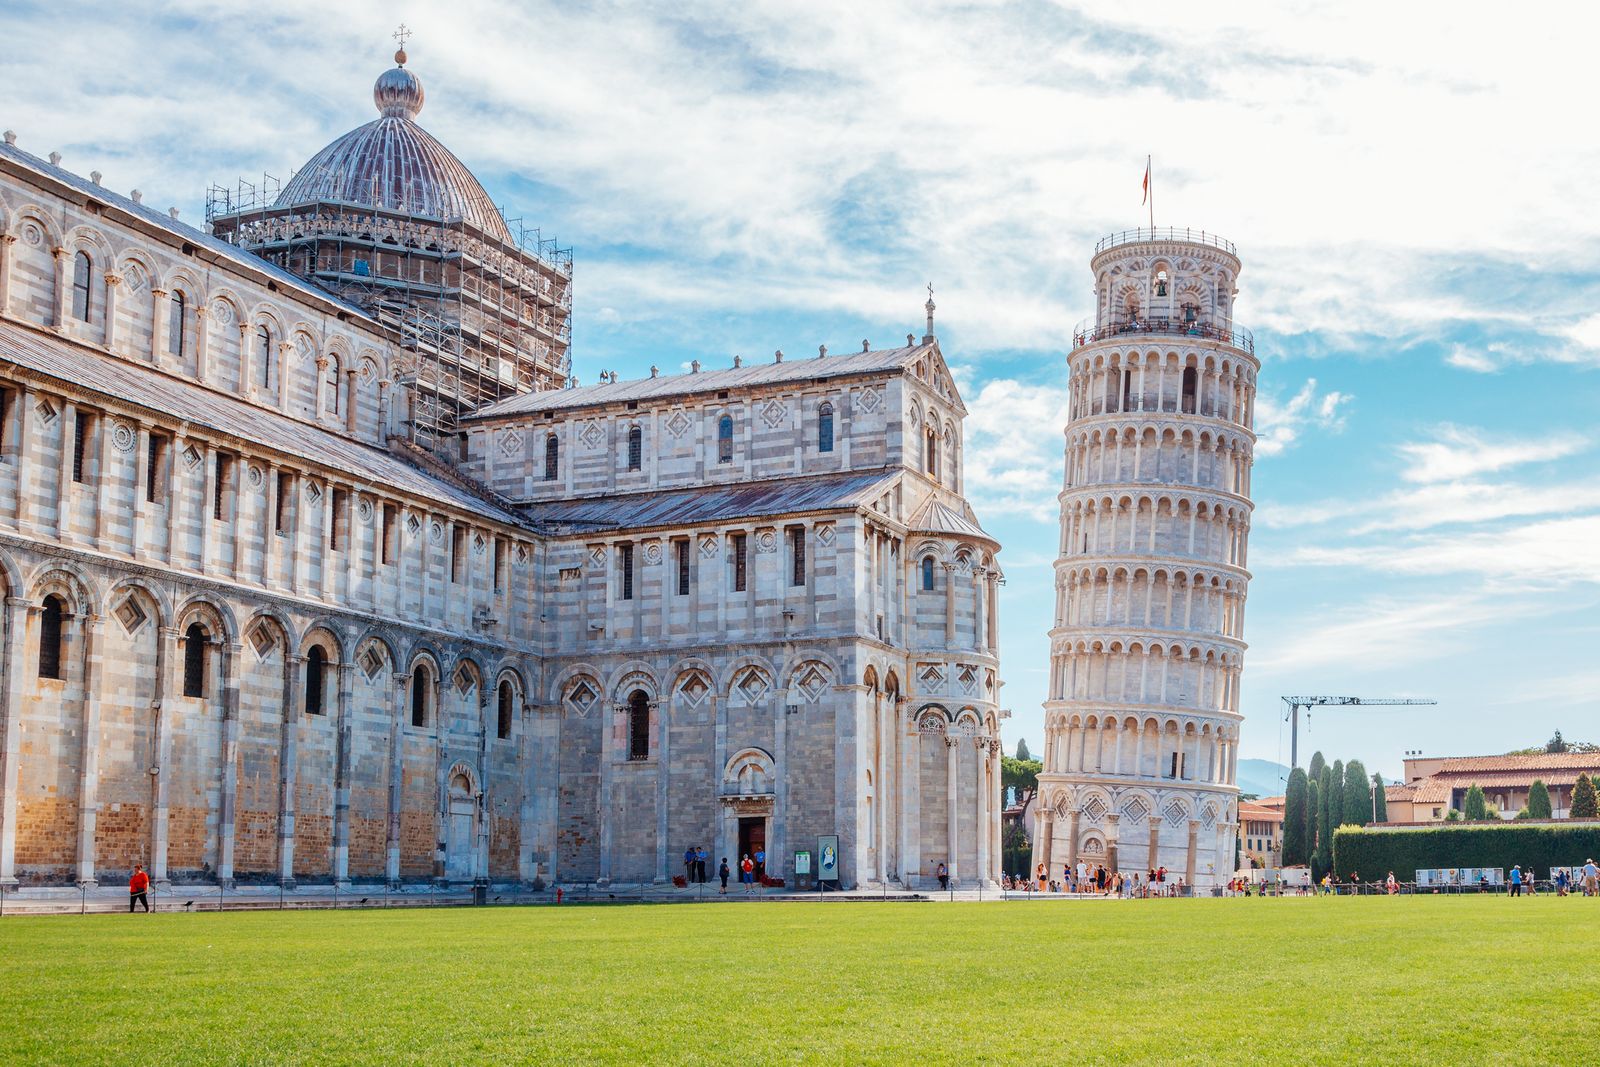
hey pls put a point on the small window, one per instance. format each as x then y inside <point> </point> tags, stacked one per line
<point>155,462</point>
<point>681,548</point>
<point>390,513</point>
<point>264,356</point>
<point>638,726</point>
<point>506,703</point>
<point>625,566</point>
<point>316,662</point>
<point>339,528</point>
<point>725,439</point>
<point>82,275</point>
<point>50,618</point>
<point>330,387</point>
<point>194,660</point>
<point>930,454</point>
<point>797,555</point>
<point>177,324</point>
<point>280,511</point>
<point>500,548</point>
<point>219,495</point>
<point>825,427</point>
<point>552,457</point>
<point>420,680</point>
<point>635,448</point>
<point>927,574</point>
<point>1190,379</point>
<point>80,443</point>
<point>5,421</point>
<point>738,562</point>
<point>458,550</point>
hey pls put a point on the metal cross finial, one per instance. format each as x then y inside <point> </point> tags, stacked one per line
<point>402,35</point>
<point>930,290</point>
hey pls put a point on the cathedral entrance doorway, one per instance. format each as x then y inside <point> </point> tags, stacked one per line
<point>753,839</point>
<point>459,836</point>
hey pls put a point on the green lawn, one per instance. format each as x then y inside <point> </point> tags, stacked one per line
<point>1396,981</point>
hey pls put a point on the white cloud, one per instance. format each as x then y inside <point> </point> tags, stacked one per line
<point>1374,632</point>
<point>1458,452</point>
<point>1470,359</point>
<point>1551,554</point>
<point>1280,424</point>
<point>1014,448</point>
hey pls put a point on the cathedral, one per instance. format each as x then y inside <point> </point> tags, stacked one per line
<point>320,567</point>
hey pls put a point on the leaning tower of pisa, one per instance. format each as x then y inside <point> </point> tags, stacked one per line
<point>1142,720</point>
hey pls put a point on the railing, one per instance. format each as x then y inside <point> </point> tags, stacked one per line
<point>1165,233</point>
<point>1236,336</point>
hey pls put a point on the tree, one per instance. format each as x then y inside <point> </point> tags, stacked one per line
<point>1555,744</point>
<point>1336,799</point>
<point>1024,774</point>
<point>1326,794</point>
<point>1313,817</point>
<point>1380,797</point>
<point>1357,806</point>
<point>1022,749</point>
<point>1585,805</point>
<point>1315,768</point>
<point>1295,850</point>
<point>1474,808</point>
<point>1538,800</point>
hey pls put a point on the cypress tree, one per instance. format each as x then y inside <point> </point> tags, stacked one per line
<point>1357,805</point>
<point>1336,799</point>
<point>1538,800</point>
<point>1585,805</point>
<point>1313,817</point>
<point>1325,821</point>
<point>1294,819</point>
<point>1317,763</point>
<point>1022,749</point>
<point>1474,808</point>
<point>1380,797</point>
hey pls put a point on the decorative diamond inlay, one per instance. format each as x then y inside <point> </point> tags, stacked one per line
<point>581,698</point>
<point>262,639</point>
<point>812,683</point>
<point>478,544</point>
<point>1136,809</point>
<point>131,615</point>
<point>752,685</point>
<point>191,457</point>
<point>591,436</point>
<point>678,423</point>
<point>597,557</point>
<point>372,663</point>
<point>825,535</point>
<point>1208,818</point>
<point>869,400</point>
<point>708,547</point>
<point>775,414</point>
<point>47,412</point>
<point>694,690</point>
<point>511,443</point>
<point>968,679</point>
<point>1174,813</point>
<point>1095,809</point>
<point>313,492</point>
<point>465,679</point>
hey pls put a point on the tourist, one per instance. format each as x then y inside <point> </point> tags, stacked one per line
<point>761,862</point>
<point>1083,873</point>
<point>139,889</point>
<point>700,858</point>
<point>688,865</point>
<point>1391,885</point>
<point>1559,877</point>
<point>747,873</point>
<point>1591,878</point>
<point>722,873</point>
<point>1042,876</point>
<point>944,877</point>
<point>1516,880</point>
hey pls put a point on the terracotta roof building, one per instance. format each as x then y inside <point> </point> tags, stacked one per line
<point>1436,784</point>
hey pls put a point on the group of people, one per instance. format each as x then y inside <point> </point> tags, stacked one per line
<point>1098,881</point>
<point>752,868</point>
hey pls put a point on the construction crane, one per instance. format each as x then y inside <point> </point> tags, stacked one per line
<point>1296,703</point>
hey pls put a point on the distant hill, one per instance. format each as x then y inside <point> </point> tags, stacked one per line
<point>1262,777</point>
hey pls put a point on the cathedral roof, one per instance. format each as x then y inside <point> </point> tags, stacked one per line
<point>790,370</point>
<point>711,504</point>
<point>940,518</point>
<point>393,164</point>
<point>197,406</point>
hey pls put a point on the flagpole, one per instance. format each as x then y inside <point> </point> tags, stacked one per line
<point>1152,179</point>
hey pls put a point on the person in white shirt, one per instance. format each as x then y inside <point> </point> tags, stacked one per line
<point>1591,875</point>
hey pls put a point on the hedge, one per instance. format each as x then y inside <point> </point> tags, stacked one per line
<point>1375,852</point>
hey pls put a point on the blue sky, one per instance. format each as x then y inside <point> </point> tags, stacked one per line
<point>1410,196</point>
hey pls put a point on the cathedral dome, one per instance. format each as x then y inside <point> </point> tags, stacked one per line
<point>393,164</point>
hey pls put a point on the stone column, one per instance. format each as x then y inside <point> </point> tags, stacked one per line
<point>1042,829</point>
<point>1073,818</point>
<point>1155,841</point>
<point>1188,863</point>
<point>608,730</point>
<point>202,338</point>
<point>247,356</point>
<point>63,292</point>
<point>227,816</point>
<point>12,697</point>
<point>317,399</point>
<point>981,760</point>
<point>1112,841</point>
<point>953,808</point>
<point>350,399</point>
<point>113,287</point>
<point>288,757</point>
<point>162,710</point>
<point>160,314</point>
<point>285,354</point>
<point>402,685</point>
<point>663,771</point>
<point>6,241</point>
<point>949,605</point>
<point>89,767</point>
<point>343,757</point>
<point>383,410</point>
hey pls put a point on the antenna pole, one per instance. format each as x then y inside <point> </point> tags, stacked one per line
<point>1150,171</point>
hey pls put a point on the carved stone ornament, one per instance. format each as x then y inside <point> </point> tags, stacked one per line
<point>123,436</point>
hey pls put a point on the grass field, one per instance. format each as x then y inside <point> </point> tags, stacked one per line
<point>1397,981</point>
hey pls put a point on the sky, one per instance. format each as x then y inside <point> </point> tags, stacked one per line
<point>1411,196</point>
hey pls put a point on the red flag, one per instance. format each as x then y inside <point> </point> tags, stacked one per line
<point>1146,195</point>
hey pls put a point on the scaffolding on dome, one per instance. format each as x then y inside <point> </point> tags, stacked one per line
<point>486,319</point>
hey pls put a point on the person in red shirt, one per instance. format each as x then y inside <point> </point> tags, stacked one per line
<point>139,889</point>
